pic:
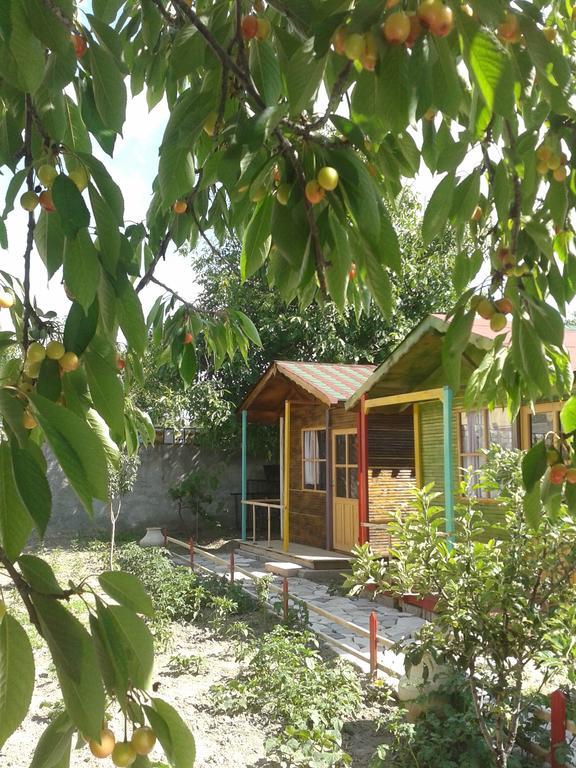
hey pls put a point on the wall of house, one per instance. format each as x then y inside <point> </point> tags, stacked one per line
<point>391,472</point>
<point>307,508</point>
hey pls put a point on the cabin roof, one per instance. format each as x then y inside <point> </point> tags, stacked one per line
<point>325,383</point>
<point>416,363</point>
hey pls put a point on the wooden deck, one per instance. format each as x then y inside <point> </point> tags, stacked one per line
<point>313,558</point>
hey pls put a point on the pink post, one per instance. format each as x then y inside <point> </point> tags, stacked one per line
<point>165,534</point>
<point>285,597</point>
<point>557,725</point>
<point>373,645</point>
<point>191,548</point>
<point>232,566</point>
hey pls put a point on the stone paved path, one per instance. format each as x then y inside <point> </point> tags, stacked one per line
<point>393,624</point>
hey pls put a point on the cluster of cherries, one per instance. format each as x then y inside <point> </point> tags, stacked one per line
<point>46,175</point>
<point>35,356</point>
<point>123,753</point>
<point>559,472</point>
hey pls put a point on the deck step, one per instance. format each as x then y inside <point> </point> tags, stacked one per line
<point>311,561</point>
<point>283,569</point>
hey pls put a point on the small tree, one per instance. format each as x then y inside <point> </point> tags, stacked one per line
<point>504,591</point>
<point>121,479</point>
<point>196,490</point>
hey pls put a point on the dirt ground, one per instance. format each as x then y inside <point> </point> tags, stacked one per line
<point>222,741</point>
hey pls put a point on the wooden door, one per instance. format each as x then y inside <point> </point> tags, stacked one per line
<point>345,489</point>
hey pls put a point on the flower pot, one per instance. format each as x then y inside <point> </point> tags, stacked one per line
<point>153,538</point>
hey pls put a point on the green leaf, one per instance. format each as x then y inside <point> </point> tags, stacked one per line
<point>128,638</point>
<point>490,67</point>
<point>33,487</point>
<point>547,321</point>
<point>176,173</point>
<point>265,71</point>
<point>438,209</point>
<point>12,410</point>
<point>81,268</point>
<point>49,240</point>
<point>109,88</point>
<point>534,465</point>
<point>76,665</point>
<point>188,364</point>
<point>107,229</point>
<point>15,522</point>
<point>14,187</point>
<point>568,415</point>
<point>502,190</point>
<point>80,327</point>
<point>249,328</point>
<point>532,505</point>
<point>127,590</point>
<point>173,734</point>
<point>27,50</point>
<point>106,390</point>
<point>303,77</point>
<point>454,344</point>
<point>39,575</point>
<point>53,749</point>
<point>130,316</point>
<point>72,210</point>
<point>16,676</point>
<point>256,238</point>
<point>107,187</point>
<point>77,448</point>
<point>379,283</point>
<point>49,382</point>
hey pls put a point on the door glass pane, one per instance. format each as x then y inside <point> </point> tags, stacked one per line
<point>309,438</point>
<point>471,431</point>
<point>540,425</point>
<point>340,449</point>
<point>309,474</point>
<point>321,476</point>
<point>321,444</point>
<point>353,483</point>
<point>341,482</point>
<point>500,430</point>
<point>352,453</point>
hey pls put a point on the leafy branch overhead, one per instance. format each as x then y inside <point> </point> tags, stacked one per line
<point>293,126</point>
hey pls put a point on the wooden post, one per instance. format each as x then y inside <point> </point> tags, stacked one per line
<point>557,725</point>
<point>281,430</point>
<point>165,534</point>
<point>362,448</point>
<point>232,567</point>
<point>244,471</point>
<point>373,626</point>
<point>285,597</point>
<point>447,402</point>
<point>191,548</point>
<point>286,510</point>
<point>417,445</point>
<point>329,485</point>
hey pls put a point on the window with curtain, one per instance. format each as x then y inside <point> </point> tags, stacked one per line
<point>314,459</point>
<point>481,429</point>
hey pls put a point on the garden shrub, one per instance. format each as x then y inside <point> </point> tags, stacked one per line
<point>286,679</point>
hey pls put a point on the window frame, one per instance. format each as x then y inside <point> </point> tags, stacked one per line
<point>526,412</point>
<point>347,466</point>
<point>314,461</point>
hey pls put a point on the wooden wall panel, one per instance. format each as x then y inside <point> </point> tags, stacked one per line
<point>343,419</point>
<point>307,508</point>
<point>391,475</point>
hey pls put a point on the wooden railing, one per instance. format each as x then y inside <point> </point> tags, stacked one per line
<point>269,505</point>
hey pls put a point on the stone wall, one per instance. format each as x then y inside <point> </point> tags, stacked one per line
<point>149,504</point>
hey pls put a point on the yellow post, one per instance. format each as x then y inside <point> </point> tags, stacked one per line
<point>417,445</point>
<point>286,510</point>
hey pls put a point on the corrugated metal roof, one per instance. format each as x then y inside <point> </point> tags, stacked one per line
<point>336,381</point>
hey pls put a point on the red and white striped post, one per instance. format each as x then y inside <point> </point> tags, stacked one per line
<point>191,550</point>
<point>165,534</point>
<point>557,725</point>
<point>373,645</point>
<point>232,567</point>
<point>285,597</point>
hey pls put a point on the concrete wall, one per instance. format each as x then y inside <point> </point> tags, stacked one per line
<point>149,504</point>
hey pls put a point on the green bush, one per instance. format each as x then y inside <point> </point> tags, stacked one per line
<point>287,680</point>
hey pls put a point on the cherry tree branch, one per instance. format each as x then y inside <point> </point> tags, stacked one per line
<point>338,90</point>
<point>28,310</point>
<point>161,253</point>
<point>60,15</point>
<point>22,588</point>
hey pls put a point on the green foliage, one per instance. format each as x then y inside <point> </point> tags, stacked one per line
<point>504,592</point>
<point>286,679</point>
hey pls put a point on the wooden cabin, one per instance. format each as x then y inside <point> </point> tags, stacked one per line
<point>341,470</point>
<point>446,436</point>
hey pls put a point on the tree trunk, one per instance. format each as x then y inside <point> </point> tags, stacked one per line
<point>113,520</point>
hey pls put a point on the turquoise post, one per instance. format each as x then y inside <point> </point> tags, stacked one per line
<point>448,461</point>
<point>244,471</point>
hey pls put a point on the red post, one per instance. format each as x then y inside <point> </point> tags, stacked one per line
<point>285,597</point>
<point>191,548</point>
<point>232,566</point>
<point>557,725</point>
<point>362,437</point>
<point>373,645</point>
<point>165,534</point>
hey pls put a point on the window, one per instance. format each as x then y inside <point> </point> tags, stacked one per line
<point>481,429</point>
<point>545,419</point>
<point>346,465</point>
<point>314,459</point>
